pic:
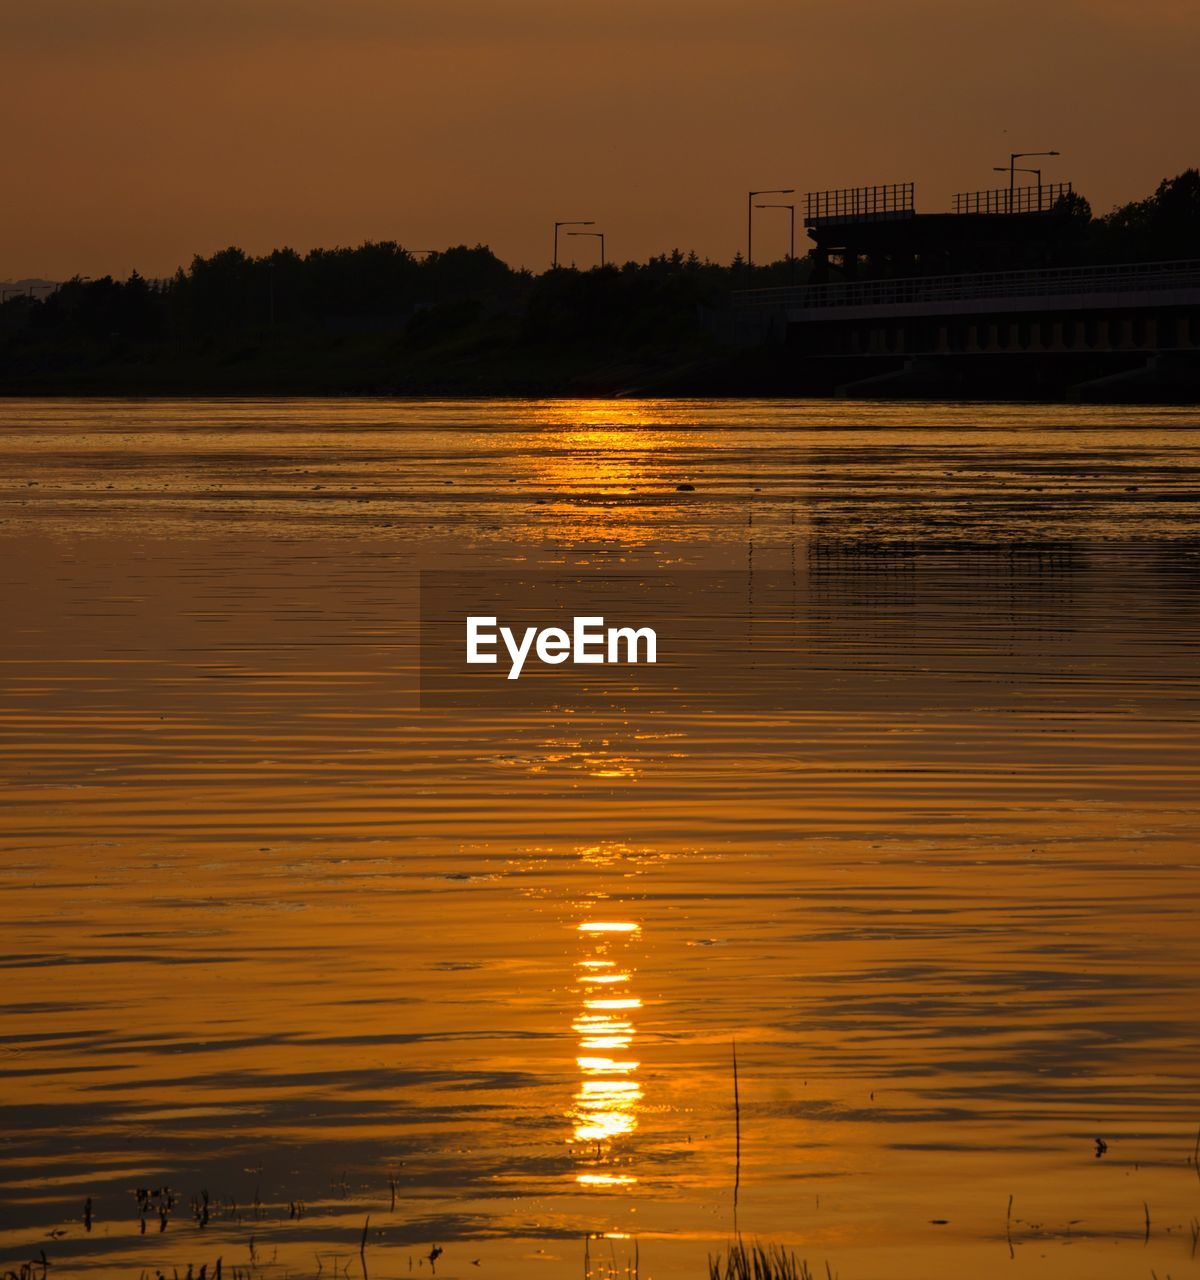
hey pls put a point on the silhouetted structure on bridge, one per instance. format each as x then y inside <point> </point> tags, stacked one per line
<point>1003,295</point>
<point>876,232</point>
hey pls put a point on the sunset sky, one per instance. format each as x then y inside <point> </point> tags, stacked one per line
<point>141,132</point>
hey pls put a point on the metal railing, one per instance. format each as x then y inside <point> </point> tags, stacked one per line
<point>1126,277</point>
<point>1040,199</point>
<point>859,203</point>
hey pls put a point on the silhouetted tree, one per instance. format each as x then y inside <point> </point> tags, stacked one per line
<point>1164,225</point>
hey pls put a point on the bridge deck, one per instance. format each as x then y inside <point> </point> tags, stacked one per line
<point>1145,284</point>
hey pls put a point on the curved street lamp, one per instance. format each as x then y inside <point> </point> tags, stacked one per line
<point>791,208</point>
<point>1013,157</point>
<point>779,191</point>
<point>577,222</point>
<point>1037,173</point>
<point>598,235</point>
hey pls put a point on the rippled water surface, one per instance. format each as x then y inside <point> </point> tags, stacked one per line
<point>275,936</point>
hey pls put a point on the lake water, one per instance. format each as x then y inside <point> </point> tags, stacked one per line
<point>276,935</point>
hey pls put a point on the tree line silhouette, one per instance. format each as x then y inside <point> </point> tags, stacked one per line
<point>392,305</point>
<point>380,284</point>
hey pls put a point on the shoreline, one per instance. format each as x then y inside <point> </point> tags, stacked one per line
<point>769,372</point>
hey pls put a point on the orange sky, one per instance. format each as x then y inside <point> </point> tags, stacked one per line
<point>143,131</point>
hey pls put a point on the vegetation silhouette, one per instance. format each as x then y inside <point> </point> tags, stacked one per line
<point>379,318</point>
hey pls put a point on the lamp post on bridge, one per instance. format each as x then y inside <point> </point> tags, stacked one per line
<point>791,208</point>
<point>598,235</point>
<point>576,222</point>
<point>780,191</point>
<point>1013,157</point>
<point>1037,173</point>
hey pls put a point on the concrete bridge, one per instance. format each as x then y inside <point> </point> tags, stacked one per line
<point>1105,331</point>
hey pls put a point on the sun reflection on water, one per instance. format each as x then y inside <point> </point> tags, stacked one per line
<point>609,1095</point>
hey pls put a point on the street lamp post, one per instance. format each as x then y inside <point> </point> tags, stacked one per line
<point>1013,157</point>
<point>1037,173</point>
<point>791,208</point>
<point>780,191</point>
<point>576,222</point>
<point>597,235</point>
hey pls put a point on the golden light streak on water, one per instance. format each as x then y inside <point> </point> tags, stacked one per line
<point>271,932</point>
<point>609,1095</point>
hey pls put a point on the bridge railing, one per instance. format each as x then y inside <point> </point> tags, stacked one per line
<point>1040,199</point>
<point>859,204</point>
<point>990,284</point>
